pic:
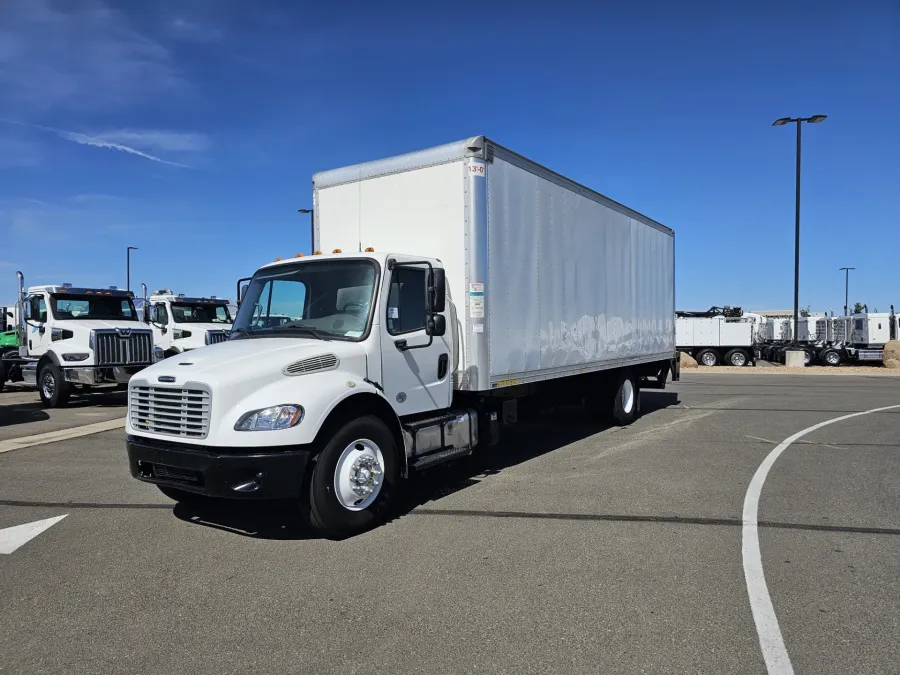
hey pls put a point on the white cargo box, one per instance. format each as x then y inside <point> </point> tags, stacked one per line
<point>548,277</point>
<point>715,331</point>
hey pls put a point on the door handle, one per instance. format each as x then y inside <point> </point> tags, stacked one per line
<point>443,360</point>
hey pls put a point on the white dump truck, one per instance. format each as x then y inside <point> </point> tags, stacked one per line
<point>719,335</point>
<point>181,323</point>
<point>73,339</point>
<point>459,281</point>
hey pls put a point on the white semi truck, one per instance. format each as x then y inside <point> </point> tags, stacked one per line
<point>858,338</point>
<point>460,280</point>
<point>181,323</point>
<point>73,339</point>
<point>719,335</point>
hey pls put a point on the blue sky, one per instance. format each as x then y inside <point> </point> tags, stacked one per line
<point>191,129</point>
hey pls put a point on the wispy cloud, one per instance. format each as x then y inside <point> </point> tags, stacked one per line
<point>100,142</point>
<point>192,31</point>
<point>150,139</point>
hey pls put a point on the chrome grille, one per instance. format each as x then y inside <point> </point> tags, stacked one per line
<point>312,364</point>
<point>215,336</point>
<point>170,411</point>
<point>112,348</point>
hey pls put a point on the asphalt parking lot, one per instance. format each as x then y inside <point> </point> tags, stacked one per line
<point>573,548</point>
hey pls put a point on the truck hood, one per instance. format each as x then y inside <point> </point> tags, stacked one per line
<point>202,327</point>
<point>97,324</point>
<point>245,361</point>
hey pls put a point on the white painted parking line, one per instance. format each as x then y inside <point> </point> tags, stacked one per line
<point>12,538</point>
<point>770,640</point>
<point>60,435</point>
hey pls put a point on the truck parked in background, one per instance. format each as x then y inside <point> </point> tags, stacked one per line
<point>73,339</point>
<point>462,280</point>
<point>860,338</point>
<point>181,323</point>
<point>719,335</point>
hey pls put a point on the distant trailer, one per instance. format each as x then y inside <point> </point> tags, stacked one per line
<point>717,337</point>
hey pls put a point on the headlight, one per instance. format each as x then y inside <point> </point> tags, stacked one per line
<point>276,417</point>
<point>179,333</point>
<point>158,354</point>
<point>75,357</point>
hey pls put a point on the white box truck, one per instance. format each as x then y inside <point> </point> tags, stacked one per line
<point>459,280</point>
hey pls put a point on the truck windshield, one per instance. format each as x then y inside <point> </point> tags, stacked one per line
<point>331,299</point>
<point>183,312</point>
<point>117,308</point>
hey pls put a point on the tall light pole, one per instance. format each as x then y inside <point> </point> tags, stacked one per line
<point>312,228</point>
<point>846,271</point>
<point>815,119</point>
<point>128,266</point>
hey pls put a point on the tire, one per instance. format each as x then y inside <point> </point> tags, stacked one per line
<point>626,402</point>
<point>737,357</point>
<point>707,357</point>
<point>54,390</point>
<point>831,357</point>
<point>334,507</point>
<point>809,357</point>
<point>182,496</point>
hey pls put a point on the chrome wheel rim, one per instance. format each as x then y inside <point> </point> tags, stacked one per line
<point>359,475</point>
<point>48,384</point>
<point>738,359</point>
<point>709,359</point>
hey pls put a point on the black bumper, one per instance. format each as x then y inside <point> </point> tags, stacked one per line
<point>232,473</point>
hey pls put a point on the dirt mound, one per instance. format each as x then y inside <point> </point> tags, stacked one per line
<point>891,352</point>
<point>688,361</point>
<point>893,364</point>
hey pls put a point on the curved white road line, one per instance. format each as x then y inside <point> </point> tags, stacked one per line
<point>774,652</point>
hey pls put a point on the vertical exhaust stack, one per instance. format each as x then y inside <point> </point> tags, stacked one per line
<point>145,310</point>
<point>20,316</point>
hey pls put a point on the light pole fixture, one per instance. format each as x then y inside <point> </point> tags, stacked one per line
<point>846,271</point>
<point>312,228</point>
<point>128,266</point>
<point>815,119</point>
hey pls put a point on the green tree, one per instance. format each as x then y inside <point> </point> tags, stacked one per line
<point>857,308</point>
<point>804,311</point>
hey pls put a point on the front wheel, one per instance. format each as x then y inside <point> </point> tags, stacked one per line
<point>354,478</point>
<point>53,388</point>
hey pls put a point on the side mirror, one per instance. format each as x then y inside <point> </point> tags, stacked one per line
<point>244,289</point>
<point>27,311</point>
<point>437,291</point>
<point>10,315</point>
<point>436,326</point>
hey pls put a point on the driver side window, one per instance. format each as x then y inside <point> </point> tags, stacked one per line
<point>159,315</point>
<point>38,309</point>
<point>407,308</point>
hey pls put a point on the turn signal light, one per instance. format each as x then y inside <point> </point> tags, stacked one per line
<point>317,252</point>
<point>299,255</point>
<point>278,259</point>
<point>369,249</point>
<point>337,250</point>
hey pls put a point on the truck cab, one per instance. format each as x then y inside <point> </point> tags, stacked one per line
<point>72,339</point>
<point>181,323</point>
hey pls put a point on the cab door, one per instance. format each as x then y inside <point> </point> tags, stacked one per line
<point>159,322</point>
<point>37,325</point>
<point>415,374</point>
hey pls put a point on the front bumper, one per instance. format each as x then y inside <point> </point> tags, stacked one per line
<point>91,375</point>
<point>231,473</point>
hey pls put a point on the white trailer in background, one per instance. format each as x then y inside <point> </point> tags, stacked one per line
<point>720,335</point>
<point>460,281</point>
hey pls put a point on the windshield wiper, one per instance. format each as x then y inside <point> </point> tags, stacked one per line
<point>302,329</point>
<point>241,331</point>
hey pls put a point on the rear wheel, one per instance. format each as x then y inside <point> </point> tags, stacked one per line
<point>737,357</point>
<point>831,358</point>
<point>707,357</point>
<point>627,399</point>
<point>808,357</point>
<point>354,478</point>
<point>54,390</point>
